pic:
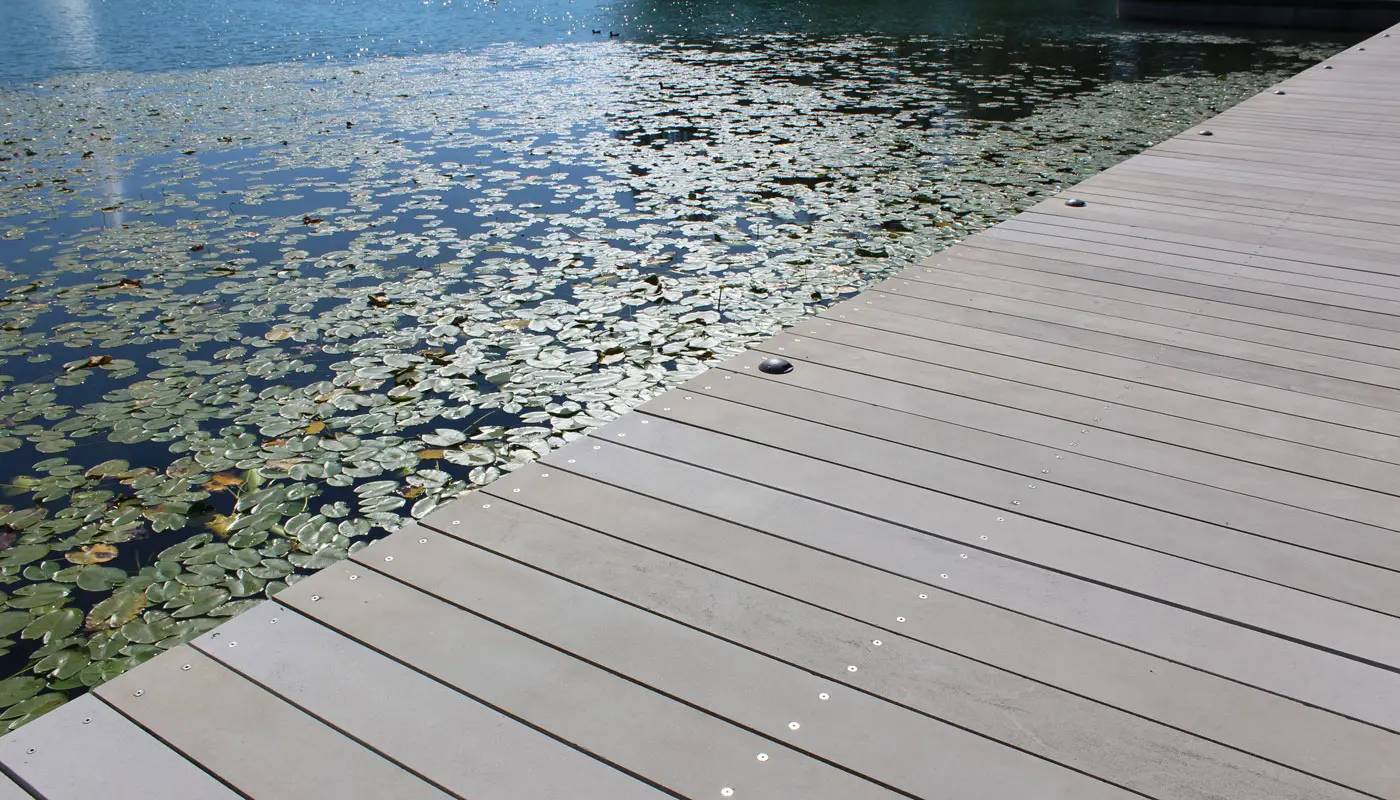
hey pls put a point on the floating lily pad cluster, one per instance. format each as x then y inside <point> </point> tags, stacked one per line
<point>251,319</point>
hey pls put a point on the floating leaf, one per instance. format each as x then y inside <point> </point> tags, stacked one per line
<point>108,469</point>
<point>222,482</point>
<point>250,539</point>
<point>100,579</point>
<point>93,554</point>
<point>444,437</point>
<point>23,554</point>
<point>61,665</point>
<point>237,559</point>
<point>116,611</point>
<point>36,595</point>
<point>54,625</point>
<point>14,690</point>
<point>321,559</point>
<point>202,575</point>
<point>12,622</point>
<point>201,602</point>
<point>29,710</point>
<point>219,524</point>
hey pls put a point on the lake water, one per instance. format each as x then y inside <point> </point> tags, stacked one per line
<point>275,277</point>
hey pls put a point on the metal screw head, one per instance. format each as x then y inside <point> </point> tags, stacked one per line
<point>87,720</point>
<point>186,668</point>
<point>823,696</point>
<point>30,751</point>
<point>1280,91</point>
<point>852,668</point>
<point>775,366</point>
<point>762,756</point>
<point>315,598</point>
<point>794,725</point>
<point>1075,202</point>
<point>726,792</point>
<point>877,642</point>
<point>1326,66</point>
<point>354,577</point>
<point>923,597</point>
<point>388,558</point>
<point>272,621</point>
<point>233,644</point>
<point>1204,133</point>
<point>422,541</point>
<point>138,692</point>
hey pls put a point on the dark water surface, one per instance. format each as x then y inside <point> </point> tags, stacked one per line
<point>277,276</point>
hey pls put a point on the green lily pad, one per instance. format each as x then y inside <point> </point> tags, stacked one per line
<point>23,554</point>
<point>36,595</point>
<point>321,559</point>
<point>54,625</point>
<point>29,710</point>
<point>13,622</point>
<point>117,610</point>
<point>100,579</point>
<point>107,469</point>
<point>272,568</point>
<point>244,587</point>
<point>247,539</point>
<point>99,672</point>
<point>238,559</point>
<point>61,665</point>
<point>17,689</point>
<point>202,575</point>
<point>201,602</point>
<point>147,632</point>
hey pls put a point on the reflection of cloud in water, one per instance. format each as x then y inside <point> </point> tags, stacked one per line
<point>74,20</point>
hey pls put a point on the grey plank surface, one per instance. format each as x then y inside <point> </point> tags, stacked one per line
<point>1245,313</point>
<point>84,750</point>
<point>1110,336</point>
<point>1358,293</point>
<point>1138,438</point>
<point>9,790</point>
<point>1064,451</point>
<point>906,750</point>
<point>954,528</point>
<point>487,754</point>
<point>1178,288</point>
<point>1098,497</point>
<point>676,746</point>
<point>902,389</point>
<point>1334,345</point>
<point>1110,561</point>
<point>822,571</point>
<point>255,742</point>
<point>1084,368</point>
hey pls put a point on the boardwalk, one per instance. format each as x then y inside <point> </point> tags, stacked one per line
<point>1101,503</point>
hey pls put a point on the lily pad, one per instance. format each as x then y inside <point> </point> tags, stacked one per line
<point>54,625</point>
<point>116,611</point>
<point>23,687</point>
